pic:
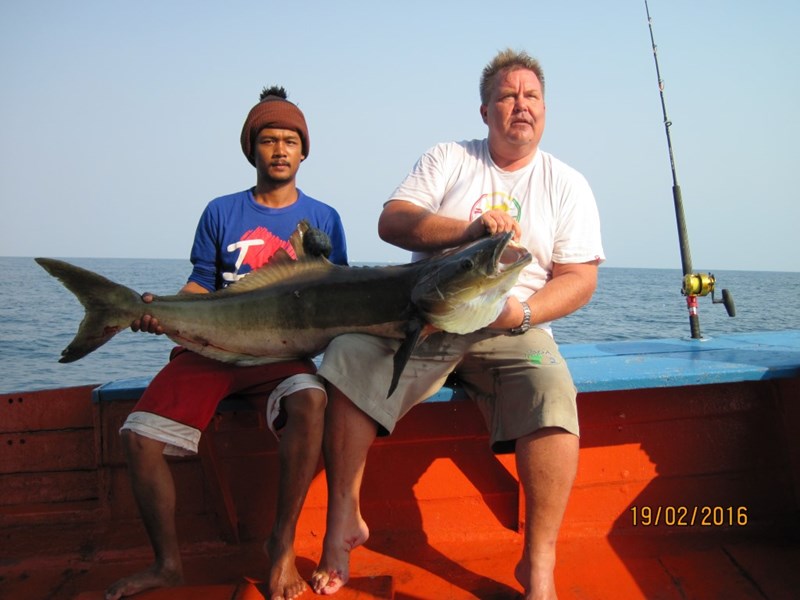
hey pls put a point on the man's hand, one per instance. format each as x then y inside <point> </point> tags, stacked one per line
<point>510,317</point>
<point>494,221</point>
<point>147,323</point>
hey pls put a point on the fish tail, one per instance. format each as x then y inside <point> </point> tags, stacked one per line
<point>110,307</point>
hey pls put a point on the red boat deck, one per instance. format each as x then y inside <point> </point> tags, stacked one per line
<point>683,491</point>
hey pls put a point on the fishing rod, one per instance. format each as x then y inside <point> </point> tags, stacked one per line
<point>694,284</point>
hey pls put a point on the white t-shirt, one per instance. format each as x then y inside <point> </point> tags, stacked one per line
<point>551,201</point>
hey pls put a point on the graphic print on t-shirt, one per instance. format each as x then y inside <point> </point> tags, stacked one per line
<point>495,201</point>
<point>256,248</point>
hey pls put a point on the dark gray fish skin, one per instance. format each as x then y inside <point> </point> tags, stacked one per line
<point>291,309</point>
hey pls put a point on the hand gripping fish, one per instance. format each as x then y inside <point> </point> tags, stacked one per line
<point>290,309</point>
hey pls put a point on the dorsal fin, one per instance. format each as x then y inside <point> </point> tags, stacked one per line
<point>308,241</point>
<point>280,268</point>
<point>296,239</point>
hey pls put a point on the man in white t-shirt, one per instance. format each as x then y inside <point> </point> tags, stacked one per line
<point>456,193</point>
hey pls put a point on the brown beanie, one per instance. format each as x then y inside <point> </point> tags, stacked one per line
<point>273,111</point>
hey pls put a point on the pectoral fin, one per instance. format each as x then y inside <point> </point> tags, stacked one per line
<point>416,332</point>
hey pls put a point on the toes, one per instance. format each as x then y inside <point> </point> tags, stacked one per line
<point>318,581</point>
<point>333,583</point>
<point>297,590</point>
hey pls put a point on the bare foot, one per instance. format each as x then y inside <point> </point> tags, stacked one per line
<point>541,586</point>
<point>154,577</point>
<point>333,571</point>
<point>285,582</point>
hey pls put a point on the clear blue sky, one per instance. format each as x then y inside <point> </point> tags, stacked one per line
<point>121,120</point>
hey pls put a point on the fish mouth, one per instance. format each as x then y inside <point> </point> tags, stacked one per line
<point>509,255</point>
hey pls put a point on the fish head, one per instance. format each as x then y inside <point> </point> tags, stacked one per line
<point>465,288</point>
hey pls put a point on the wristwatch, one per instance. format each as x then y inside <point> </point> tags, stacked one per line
<point>526,320</point>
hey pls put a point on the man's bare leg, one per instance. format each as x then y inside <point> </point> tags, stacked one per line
<point>547,462</point>
<point>349,433</point>
<point>299,450</point>
<point>154,490</point>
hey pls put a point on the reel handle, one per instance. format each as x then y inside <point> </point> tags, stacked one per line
<point>727,301</point>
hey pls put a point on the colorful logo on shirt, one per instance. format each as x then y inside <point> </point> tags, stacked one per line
<point>256,248</point>
<point>496,201</point>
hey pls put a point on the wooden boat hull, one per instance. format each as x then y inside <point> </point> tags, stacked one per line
<point>688,487</point>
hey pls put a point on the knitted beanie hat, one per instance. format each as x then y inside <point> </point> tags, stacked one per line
<point>274,111</point>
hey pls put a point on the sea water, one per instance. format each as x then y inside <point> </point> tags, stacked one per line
<point>39,317</point>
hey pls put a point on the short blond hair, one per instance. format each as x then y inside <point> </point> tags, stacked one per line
<point>507,60</point>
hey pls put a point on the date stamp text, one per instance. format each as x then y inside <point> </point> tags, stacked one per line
<point>688,516</point>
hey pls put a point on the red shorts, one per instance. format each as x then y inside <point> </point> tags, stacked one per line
<point>184,395</point>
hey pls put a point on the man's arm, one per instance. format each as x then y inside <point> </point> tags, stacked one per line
<point>571,286</point>
<point>412,227</point>
<point>148,324</point>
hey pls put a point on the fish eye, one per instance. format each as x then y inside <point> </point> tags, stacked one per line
<point>467,264</point>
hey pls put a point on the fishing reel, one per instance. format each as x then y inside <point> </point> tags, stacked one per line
<point>703,284</point>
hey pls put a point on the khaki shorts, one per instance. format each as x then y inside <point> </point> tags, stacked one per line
<point>520,383</point>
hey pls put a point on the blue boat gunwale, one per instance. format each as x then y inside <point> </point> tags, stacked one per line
<point>628,365</point>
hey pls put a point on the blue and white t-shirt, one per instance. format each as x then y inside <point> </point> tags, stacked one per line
<point>237,235</point>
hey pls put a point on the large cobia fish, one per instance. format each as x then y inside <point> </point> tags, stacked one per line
<point>290,309</point>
